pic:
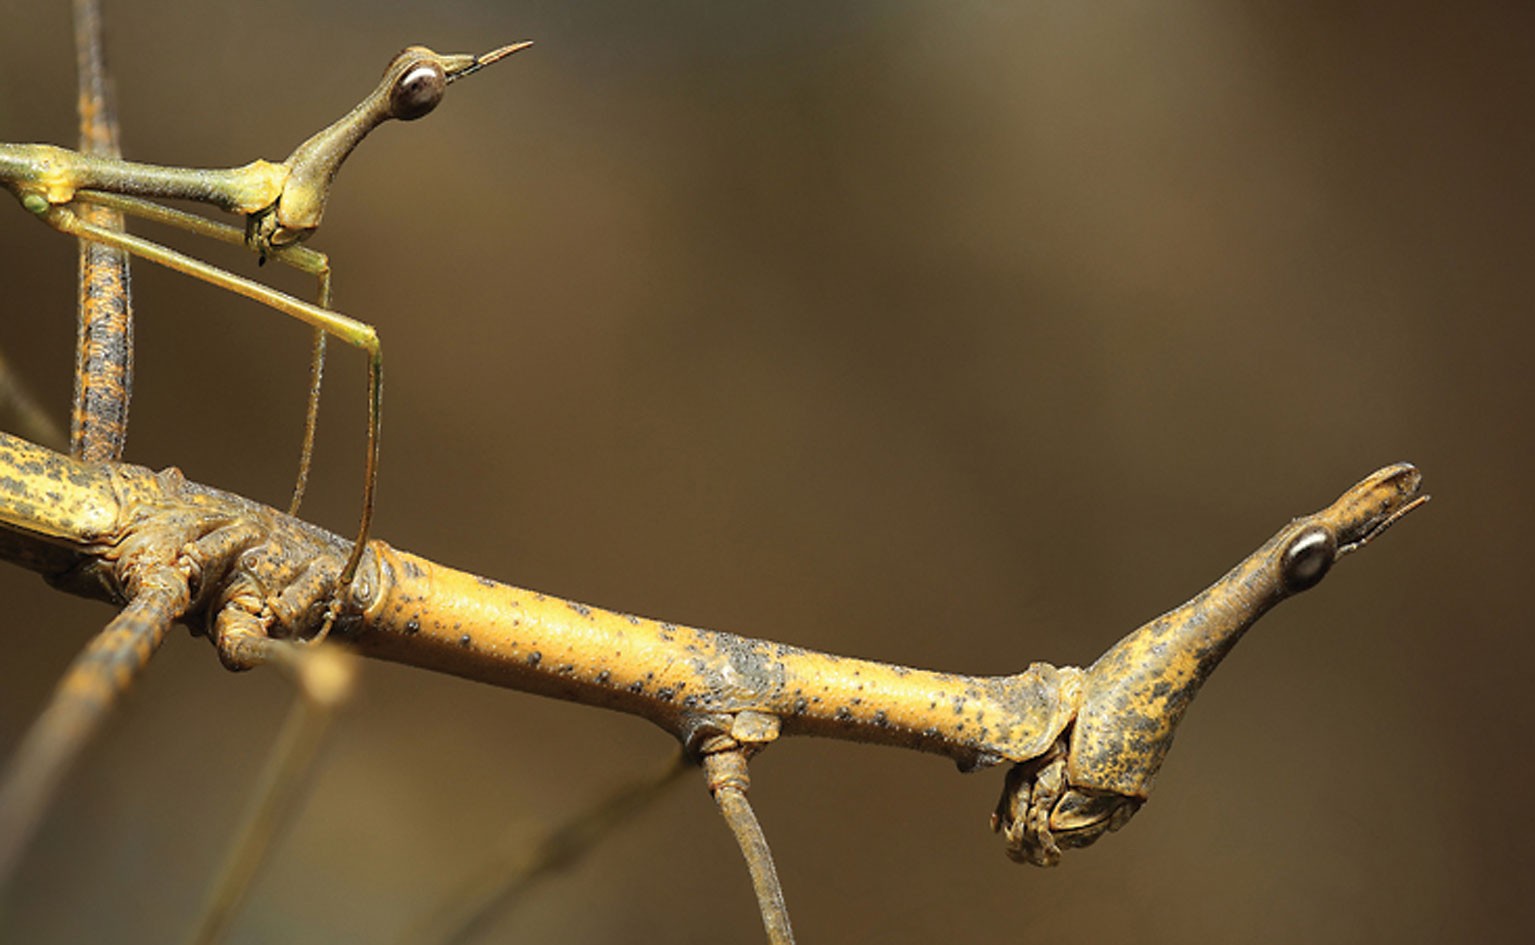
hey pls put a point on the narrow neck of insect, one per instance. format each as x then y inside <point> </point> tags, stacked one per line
<point>1159,667</point>
<point>434,617</point>
<point>1189,641</point>
<point>313,164</point>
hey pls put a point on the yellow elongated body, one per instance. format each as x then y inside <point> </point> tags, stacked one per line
<point>681,677</point>
<point>1085,745</point>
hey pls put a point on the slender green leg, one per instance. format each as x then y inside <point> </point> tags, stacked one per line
<point>311,404</point>
<point>353,332</point>
<point>299,257</point>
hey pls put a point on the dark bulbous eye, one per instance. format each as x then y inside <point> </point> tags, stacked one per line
<point>417,91</point>
<point>1308,558</point>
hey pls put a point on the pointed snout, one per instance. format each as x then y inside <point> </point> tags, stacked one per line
<point>458,65</point>
<point>1138,691</point>
<point>1374,505</point>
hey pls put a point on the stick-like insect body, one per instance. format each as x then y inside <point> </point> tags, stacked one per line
<point>1085,744</point>
<point>282,205</point>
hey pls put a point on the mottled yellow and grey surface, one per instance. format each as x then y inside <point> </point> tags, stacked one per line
<point>953,335</point>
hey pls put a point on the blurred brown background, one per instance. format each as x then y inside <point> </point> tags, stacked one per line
<point>960,335</point>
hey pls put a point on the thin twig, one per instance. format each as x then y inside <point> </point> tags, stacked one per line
<point>323,677</point>
<point>32,421</point>
<point>505,880</point>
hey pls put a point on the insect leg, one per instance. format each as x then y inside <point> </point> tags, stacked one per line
<point>349,330</point>
<point>298,257</point>
<point>104,345</point>
<point>85,695</point>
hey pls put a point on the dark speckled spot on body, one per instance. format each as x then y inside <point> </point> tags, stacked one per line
<point>413,625</point>
<point>535,658</point>
<point>603,677</point>
<point>465,640</point>
<point>581,609</point>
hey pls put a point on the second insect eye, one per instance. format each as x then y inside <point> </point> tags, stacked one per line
<point>417,91</point>
<point>1308,558</point>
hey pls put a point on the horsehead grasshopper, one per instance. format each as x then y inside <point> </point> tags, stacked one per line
<point>282,204</point>
<point>1084,744</point>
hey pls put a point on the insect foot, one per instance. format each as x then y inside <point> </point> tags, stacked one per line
<point>1041,812</point>
<point>242,573</point>
<point>1101,770</point>
<point>272,594</point>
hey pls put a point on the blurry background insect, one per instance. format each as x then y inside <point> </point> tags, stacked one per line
<point>889,330</point>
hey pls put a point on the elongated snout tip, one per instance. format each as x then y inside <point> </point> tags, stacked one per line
<point>496,55</point>
<point>1376,503</point>
<point>457,67</point>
